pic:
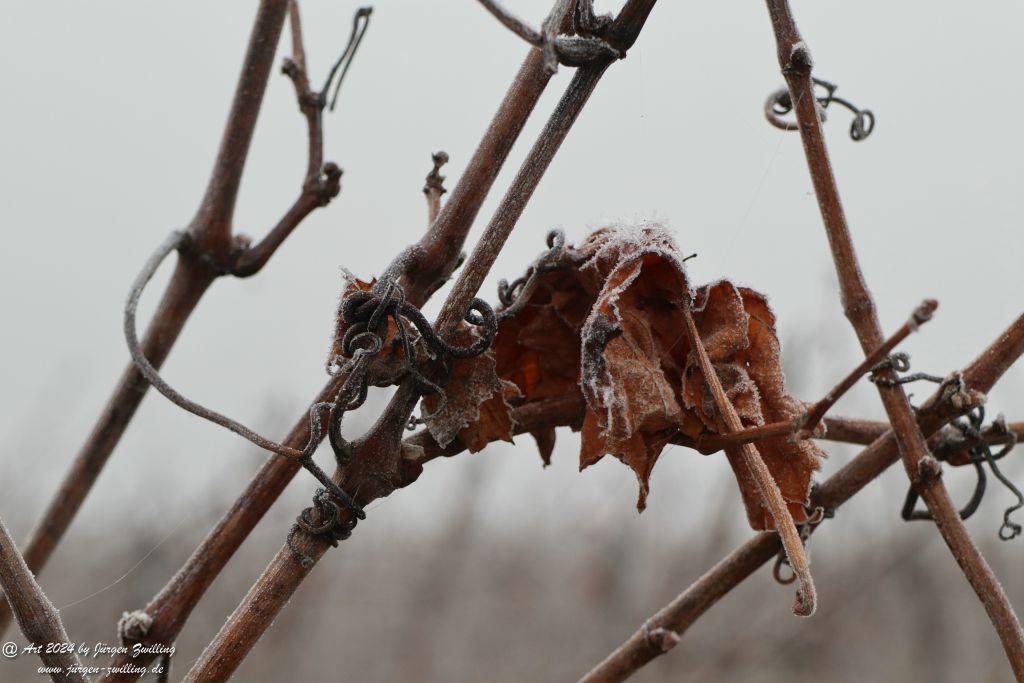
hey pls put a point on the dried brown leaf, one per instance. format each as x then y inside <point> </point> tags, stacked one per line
<point>538,349</point>
<point>473,396</point>
<point>608,321</point>
<point>495,421</point>
<point>633,408</point>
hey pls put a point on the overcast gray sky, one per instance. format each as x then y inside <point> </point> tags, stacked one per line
<point>113,111</point>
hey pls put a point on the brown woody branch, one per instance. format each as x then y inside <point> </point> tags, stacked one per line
<point>377,467</point>
<point>583,50</point>
<point>273,589</point>
<point>664,629</point>
<point>864,432</point>
<point>171,607</point>
<point>922,469</point>
<point>516,197</point>
<point>195,272</point>
<point>322,181</point>
<point>568,411</point>
<point>855,431</point>
<point>805,426</point>
<point>806,600</point>
<point>38,618</point>
<point>424,268</point>
<point>435,257</point>
<point>277,584</point>
<point>173,604</point>
<point>852,430</point>
<point>199,264</point>
<point>836,429</point>
<point>622,33</point>
<point>295,28</point>
<point>317,189</point>
<point>920,316</point>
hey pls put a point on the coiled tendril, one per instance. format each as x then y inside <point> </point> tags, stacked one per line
<point>366,316</point>
<point>979,454</point>
<point>513,297</point>
<point>780,103</point>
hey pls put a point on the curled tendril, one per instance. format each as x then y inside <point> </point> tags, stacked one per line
<point>513,296</point>
<point>899,362</point>
<point>780,103</point>
<point>326,522</point>
<point>366,315</point>
<point>805,530</point>
<point>360,22</point>
<point>180,241</point>
<point>983,453</point>
<point>979,454</point>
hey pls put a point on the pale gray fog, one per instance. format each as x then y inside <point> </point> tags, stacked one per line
<point>112,116</point>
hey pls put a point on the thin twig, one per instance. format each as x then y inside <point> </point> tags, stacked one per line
<point>948,402</point>
<point>433,188</point>
<point>322,181</point>
<point>806,426</point>
<point>569,50</point>
<point>297,557</point>
<point>920,316</point>
<point>922,469</point>
<point>320,186</point>
<point>806,599</point>
<point>38,618</point>
<point>514,23</point>
<point>423,267</point>
<point>843,429</point>
<point>298,44</point>
<point>314,195</point>
<point>516,197</point>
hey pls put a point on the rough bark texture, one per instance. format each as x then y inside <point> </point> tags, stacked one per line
<point>36,615</point>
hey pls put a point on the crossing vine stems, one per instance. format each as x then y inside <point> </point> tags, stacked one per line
<point>213,252</point>
<point>381,460</point>
<point>922,468</point>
